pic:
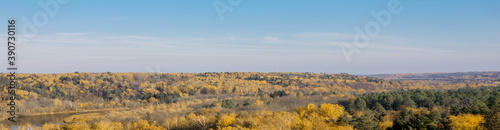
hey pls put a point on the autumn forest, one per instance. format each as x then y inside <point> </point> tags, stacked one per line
<point>254,100</point>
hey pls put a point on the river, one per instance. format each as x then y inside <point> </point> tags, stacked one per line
<point>39,120</point>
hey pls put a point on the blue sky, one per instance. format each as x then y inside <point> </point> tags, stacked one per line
<point>258,35</point>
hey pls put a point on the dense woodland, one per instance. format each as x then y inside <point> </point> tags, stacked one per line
<point>252,100</point>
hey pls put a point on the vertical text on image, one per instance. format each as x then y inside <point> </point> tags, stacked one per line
<point>12,67</point>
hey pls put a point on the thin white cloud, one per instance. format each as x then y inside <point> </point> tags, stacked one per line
<point>71,34</point>
<point>329,35</point>
<point>381,47</point>
<point>269,39</point>
<point>82,51</point>
<point>133,37</point>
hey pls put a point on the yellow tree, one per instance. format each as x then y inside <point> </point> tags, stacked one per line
<point>385,124</point>
<point>467,122</point>
<point>152,100</point>
<point>311,108</point>
<point>226,120</point>
<point>106,125</point>
<point>57,103</point>
<point>144,125</point>
<point>49,126</point>
<point>331,111</point>
<point>258,103</point>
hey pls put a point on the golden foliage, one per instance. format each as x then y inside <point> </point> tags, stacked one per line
<point>108,126</point>
<point>81,125</point>
<point>467,122</point>
<point>82,118</point>
<point>181,113</point>
<point>258,103</point>
<point>144,125</point>
<point>57,103</point>
<point>385,124</point>
<point>311,108</point>
<point>152,100</point>
<point>226,120</point>
<point>347,127</point>
<point>313,118</point>
<point>331,111</point>
<point>2,127</point>
<point>51,126</point>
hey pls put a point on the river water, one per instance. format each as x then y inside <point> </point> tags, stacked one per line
<point>38,121</point>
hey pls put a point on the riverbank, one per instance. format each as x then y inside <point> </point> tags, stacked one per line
<point>4,117</point>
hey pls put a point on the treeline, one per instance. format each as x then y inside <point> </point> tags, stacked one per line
<point>367,112</point>
<point>457,77</point>
<point>73,91</point>
<point>430,109</point>
<point>134,86</point>
<point>158,97</point>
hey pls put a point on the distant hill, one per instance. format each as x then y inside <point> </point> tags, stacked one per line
<point>483,77</point>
